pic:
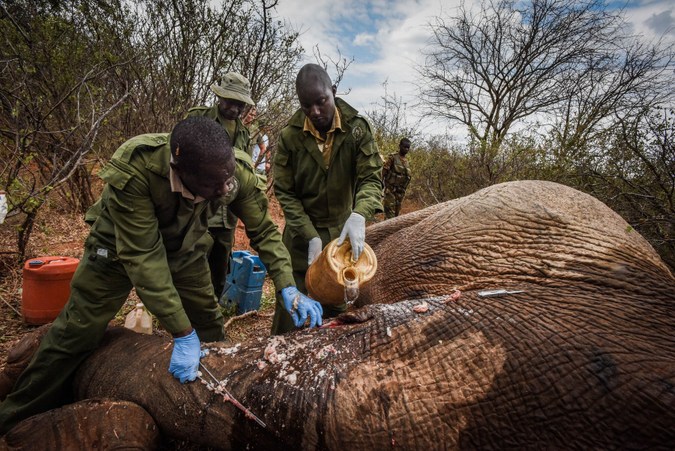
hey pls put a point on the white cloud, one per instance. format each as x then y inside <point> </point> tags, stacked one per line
<point>312,19</point>
<point>396,33</point>
<point>401,38</point>
<point>364,39</point>
<point>662,23</point>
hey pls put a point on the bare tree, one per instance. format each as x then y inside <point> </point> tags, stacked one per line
<point>183,47</point>
<point>492,70</point>
<point>269,60</point>
<point>635,175</point>
<point>614,86</point>
<point>339,65</point>
<point>75,71</point>
<point>54,71</point>
<point>192,44</point>
<point>390,122</point>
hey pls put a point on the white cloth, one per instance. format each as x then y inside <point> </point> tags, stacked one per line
<point>256,151</point>
<point>3,207</point>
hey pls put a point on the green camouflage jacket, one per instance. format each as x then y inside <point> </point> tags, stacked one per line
<point>396,173</point>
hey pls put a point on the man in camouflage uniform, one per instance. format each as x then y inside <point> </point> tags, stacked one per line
<point>149,231</point>
<point>234,95</point>
<point>327,178</point>
<point>396,176</point>
<point>259,142</point>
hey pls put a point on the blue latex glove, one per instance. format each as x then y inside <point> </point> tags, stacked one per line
<point>185,357</point>
<point>299,306</point>
<point>313,249</point>
<point>355,228</point>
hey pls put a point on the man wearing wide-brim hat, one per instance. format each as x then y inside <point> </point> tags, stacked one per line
<point>234,86</point>
<point>234,97</point>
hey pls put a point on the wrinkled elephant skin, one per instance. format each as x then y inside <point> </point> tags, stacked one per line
<point>508,234</point>
<point>584,358</point>
<point>550,368</point>
<point>85,425</point>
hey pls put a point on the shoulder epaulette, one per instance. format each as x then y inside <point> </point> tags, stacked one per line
<point>243,157</point>
<point>124,151</point>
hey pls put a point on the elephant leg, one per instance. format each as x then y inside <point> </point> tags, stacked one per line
<point>89,424</point>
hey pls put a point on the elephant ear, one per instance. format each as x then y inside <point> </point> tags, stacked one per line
<point>357,316</point>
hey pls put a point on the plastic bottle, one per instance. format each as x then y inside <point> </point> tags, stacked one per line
<point>139,320</point>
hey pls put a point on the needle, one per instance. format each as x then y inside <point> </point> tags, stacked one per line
<point>239,405</point>
<point>492,293</point>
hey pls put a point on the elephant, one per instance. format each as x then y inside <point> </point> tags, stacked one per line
<point>580,354</point>
<point>86,425</point>
<point>508,234</point>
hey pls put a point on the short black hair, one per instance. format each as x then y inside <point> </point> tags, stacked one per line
<point>405,141</point>
<point>310,72</point>
<point>197,141</point>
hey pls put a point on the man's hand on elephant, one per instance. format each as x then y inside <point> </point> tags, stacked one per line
<point>300,306</point>
<point>185,357</point>
<point>355,228</point>
<point>314,249</point>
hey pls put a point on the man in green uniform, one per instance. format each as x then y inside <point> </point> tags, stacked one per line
<point>327,178</point>
<point>234,95</point>
<point>396,176</point>
<point>149,231</point>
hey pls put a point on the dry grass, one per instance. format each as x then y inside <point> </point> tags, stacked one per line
<point>55,233</point>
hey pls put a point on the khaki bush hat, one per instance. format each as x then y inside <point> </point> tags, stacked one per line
<point>234,86</point>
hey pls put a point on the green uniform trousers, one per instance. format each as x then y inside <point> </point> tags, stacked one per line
<point>392,203</point>
<point>298,247</point>
<point>99,288</point>
<point>219,257</point>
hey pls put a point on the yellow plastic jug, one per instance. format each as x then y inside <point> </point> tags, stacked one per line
<point>334,277</point>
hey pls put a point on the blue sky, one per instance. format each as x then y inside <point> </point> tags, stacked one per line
<point>387,38</point>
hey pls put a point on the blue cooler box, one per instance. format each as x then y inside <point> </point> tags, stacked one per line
<point>244,282</point>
